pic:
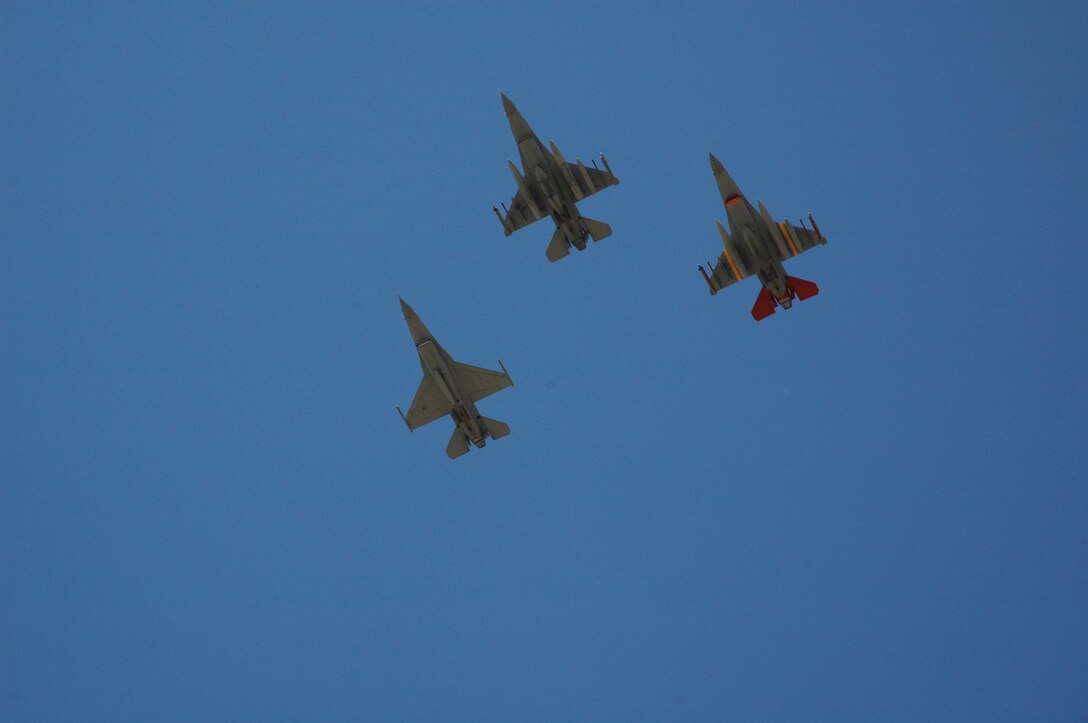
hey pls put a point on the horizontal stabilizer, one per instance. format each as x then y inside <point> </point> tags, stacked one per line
<point>803,289</point>
<point>458,444</point>
<point>559,247</point>
<point>596,229</point>
<point>764,305</point>
<point>495,428</point>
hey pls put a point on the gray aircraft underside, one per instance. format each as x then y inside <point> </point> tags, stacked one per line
<point>450,387</point>
<point>757,244</point>
<point>549,186</point>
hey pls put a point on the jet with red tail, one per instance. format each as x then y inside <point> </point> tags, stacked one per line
<point>757,244</point>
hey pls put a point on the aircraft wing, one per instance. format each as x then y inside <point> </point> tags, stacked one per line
<point>732,266</point>
<point>794,240</point>
<point>428,405</point>
<point>478,382</point>
<point>589,180</point>
<point>522,213</point>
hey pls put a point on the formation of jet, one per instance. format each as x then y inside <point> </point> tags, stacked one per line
<point>757,244</point>
<point>549,186</point>
<point>452,388</point>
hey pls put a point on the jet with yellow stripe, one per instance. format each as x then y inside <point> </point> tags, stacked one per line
<point>757,244</point>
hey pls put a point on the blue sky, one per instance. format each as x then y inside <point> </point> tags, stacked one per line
<point>872,506</point>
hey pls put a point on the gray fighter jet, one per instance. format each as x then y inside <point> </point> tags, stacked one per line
<point>453,388</point>
<point>758,245</point>
<point>551,187</point>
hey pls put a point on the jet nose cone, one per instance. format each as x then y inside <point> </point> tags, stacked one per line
<point>508,105</point>
<point>405,309</point>
<point>716,165</point>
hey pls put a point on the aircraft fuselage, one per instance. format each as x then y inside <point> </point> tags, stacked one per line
<point>544,180</point>
<point>751,230</point>
<point>438,367</point>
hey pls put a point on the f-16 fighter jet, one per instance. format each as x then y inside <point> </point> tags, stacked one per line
<point>452,388</point>
<point>550,187</point>
<point>758,245</point>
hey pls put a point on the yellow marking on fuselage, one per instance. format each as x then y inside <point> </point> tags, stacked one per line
<point>736,274</point>
<point>782,227</point>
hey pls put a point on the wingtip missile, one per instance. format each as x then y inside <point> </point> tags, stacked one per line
<point>706,278</point>
<point>505,228</point>
<point>506,372</point>
<point>615,181</point>
<point>816,228</point>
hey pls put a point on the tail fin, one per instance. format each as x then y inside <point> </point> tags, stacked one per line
<point>495,428</point>
<point>597,229</point>
<point>458,444</point>
<point>764,305</point>
<point>559,247</point>
<point>803,289</point>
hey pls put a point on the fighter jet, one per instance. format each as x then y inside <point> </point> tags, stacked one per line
<point>550,187</point>
<point>453,388</point>
<point>758,245</point>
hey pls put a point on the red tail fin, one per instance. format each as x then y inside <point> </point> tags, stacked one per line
<point>803,289</point>
<point>765,304</point>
